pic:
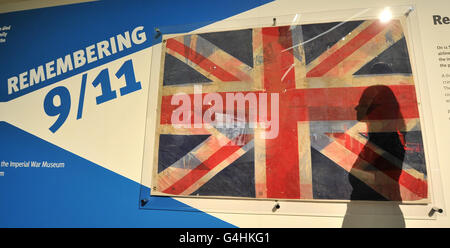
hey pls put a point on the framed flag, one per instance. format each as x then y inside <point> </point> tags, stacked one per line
<point>322,111</point>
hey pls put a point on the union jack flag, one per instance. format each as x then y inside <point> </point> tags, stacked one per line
<point>349,125</point>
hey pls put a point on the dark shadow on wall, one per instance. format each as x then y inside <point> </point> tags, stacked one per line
<point>378,103</point>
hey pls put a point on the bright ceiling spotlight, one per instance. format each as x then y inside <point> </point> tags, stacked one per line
<point>385,15</point>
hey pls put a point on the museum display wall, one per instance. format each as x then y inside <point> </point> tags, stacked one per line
<point>246,114</point>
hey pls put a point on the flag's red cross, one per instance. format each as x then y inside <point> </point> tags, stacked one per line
<point>320,104</point>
